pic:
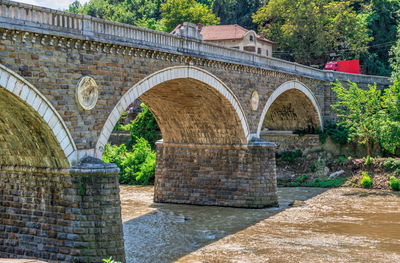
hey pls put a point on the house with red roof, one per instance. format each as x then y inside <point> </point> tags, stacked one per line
<point>235,36</point>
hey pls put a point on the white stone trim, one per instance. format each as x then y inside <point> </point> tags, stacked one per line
<point>292,84</point>
<point>162,76</point>
<point>21,88</point>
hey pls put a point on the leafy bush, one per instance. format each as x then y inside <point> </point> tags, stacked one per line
<point>368,160</point>
<point>289,156</point>
<point>338,133</point>
<point>136,166</point>
<point>394,183</point>
<point>391,164</point>
<point>341,160</point>
<point>366,180</point>
<point>119,126</point>
<point>144,126</point>
<point>301,179</point>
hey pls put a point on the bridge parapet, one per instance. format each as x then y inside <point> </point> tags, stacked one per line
<point>24,17</point>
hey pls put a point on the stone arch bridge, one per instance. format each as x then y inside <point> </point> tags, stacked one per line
<point>65,79</point>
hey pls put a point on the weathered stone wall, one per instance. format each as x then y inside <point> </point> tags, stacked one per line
<point>223,175</point>
<point>293,142</point>
<point>55,66</point>
<point>60,215</point>
<point>120,137</point>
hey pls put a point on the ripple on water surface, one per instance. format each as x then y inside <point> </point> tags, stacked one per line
<point>165,232</point>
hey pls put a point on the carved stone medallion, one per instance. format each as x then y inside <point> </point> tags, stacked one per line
<point>87,93</point>
<point>254,100</point>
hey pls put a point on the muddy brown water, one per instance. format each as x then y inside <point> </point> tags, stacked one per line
<point>337,225</point>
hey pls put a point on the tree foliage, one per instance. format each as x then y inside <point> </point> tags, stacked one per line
<point>371,116</point>
<point>144,126</point>
<point>124,11</point>
<point>382,18</point>
<point>175,12</point>
<point>395,57</point>
<point>236,11</point>
<point>137,166</point>
<point>307,31</point>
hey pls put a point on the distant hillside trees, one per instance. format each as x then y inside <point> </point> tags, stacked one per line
<point>382,18</point>
<point>308,31</point>
<point>175,12</point>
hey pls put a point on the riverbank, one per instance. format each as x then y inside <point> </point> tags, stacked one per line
<point>336,225</point>
<point>319,168</point>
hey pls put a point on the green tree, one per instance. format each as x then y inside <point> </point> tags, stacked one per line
<point>359,111</point>
<point>371,116</point>
<point>137,166</point>
<point>382,18</point>
<point>307,31</point>
<point>135,12</point>
<point>395,57</point>
<point>390,123</point>
<point>237,11</point>
<point>144,126</point>
<point>74,7</point>
<point>175,12</point>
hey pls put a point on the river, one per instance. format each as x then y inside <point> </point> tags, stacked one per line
<point>336,225</point>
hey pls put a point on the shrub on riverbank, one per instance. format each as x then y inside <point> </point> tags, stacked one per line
<point>137,166</point>
<point>320,168</point>
<point>366,180</point>
<point>394,183</point>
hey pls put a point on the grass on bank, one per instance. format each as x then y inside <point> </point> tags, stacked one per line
<point>324,183</point>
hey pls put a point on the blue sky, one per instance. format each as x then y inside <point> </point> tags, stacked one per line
<point>54,4</point>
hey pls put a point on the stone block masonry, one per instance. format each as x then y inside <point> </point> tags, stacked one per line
<point>222,175</point>
<point>61,215</point>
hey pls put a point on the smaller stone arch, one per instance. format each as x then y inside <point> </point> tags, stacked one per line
<point>25,91</point>
<point>285,87</point>
<point>163,76</point>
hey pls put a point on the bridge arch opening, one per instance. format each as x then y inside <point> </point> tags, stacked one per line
<point>290,108</point>
<point>191,106</point>
<point>32,134</point>
<point>205,155</point>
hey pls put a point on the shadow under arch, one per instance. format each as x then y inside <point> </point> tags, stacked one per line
<point>191,106</point>
<point>286,94</point>
<point>32,133</point>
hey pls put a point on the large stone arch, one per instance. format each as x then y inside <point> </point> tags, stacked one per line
<point>294,88</point>
<point>184,82</point>
<point>42,126</point>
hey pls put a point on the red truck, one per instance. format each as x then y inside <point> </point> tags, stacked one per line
<point>349,66</point>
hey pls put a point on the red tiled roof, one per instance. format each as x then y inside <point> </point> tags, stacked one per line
<point>227,32</point>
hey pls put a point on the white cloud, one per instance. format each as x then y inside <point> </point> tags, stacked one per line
<point>54,4</point>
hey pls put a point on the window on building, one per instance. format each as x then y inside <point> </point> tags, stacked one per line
<point>267,53</point>
<point>259,51</point>
<point>251,38</point>
<point>250,49</point>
